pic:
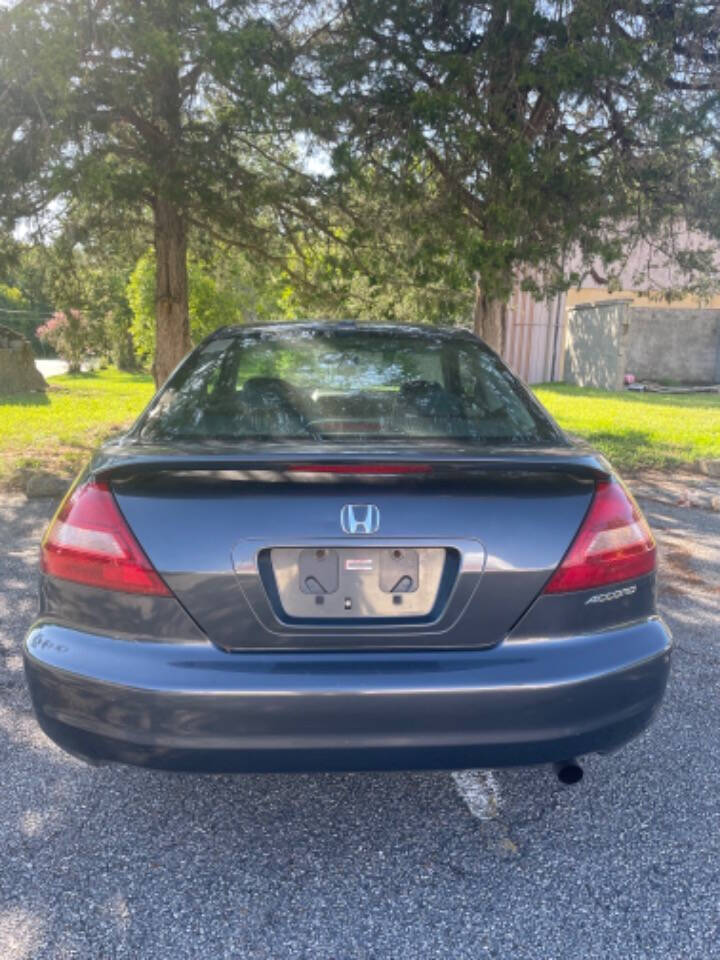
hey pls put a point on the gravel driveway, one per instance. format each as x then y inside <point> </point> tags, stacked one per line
<point>115,863</point>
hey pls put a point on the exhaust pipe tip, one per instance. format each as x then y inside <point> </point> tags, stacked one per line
<point>568,772</point>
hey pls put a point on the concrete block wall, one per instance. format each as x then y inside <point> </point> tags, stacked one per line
<point>607,339</point>
<point>596,344</point>
<point>667,343</point>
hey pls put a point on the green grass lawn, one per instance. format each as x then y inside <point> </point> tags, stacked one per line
<point>57,430</point>
<point>639,429</point>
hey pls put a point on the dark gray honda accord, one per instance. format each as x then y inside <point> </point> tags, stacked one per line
<point>345,547</point>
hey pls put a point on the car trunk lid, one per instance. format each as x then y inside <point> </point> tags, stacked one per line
<point>232,532</point>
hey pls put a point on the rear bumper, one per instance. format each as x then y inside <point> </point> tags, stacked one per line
<point>194,707</point>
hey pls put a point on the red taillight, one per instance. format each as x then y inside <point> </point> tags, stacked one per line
<point>614,543</point>
<point>89,542</point>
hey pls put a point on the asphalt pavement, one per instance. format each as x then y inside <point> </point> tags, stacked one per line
<point>122,863</point>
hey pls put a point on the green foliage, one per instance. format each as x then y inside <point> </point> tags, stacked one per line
<point>89,281</point>
<point>224,290</point>
<point>141,297</point>
<point>166,118</point>
<point>380,280</point>
<point>84,267</point>
<point>14,308</point>
<point>68,333</point>
<point>21,307</point>
<point>12,297</point>
<point>116,104</point>
<point>524,137</point>
<point>508,141</point>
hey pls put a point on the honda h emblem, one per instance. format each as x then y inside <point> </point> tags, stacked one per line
<point>360,518</point>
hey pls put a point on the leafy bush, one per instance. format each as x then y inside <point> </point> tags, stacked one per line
<point>68,334</point>
<point>225,290</point>
<point>19,313</point>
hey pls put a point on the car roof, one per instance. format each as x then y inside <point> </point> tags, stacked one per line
<point>426,331</point>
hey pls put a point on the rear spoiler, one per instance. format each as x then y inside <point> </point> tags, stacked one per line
<point>118,465</point>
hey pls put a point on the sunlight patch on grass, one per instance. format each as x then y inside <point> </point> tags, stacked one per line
<point>636,430</point>
<point>58,430</point>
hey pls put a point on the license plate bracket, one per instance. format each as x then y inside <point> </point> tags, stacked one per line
<point>319,571</point>
<point>357,582</point>
<point>399,570</point>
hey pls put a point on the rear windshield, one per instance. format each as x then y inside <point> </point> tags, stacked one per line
<point>333,384</point>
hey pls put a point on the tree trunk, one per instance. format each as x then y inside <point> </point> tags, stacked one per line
<point>172,320</point>
<point>490,320</point>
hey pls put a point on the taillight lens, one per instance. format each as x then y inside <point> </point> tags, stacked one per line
<point>89,542</point>
<point>614,543</point>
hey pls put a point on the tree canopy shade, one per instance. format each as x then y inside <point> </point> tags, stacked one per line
<point>526,135</point>
<point>164,114</point>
